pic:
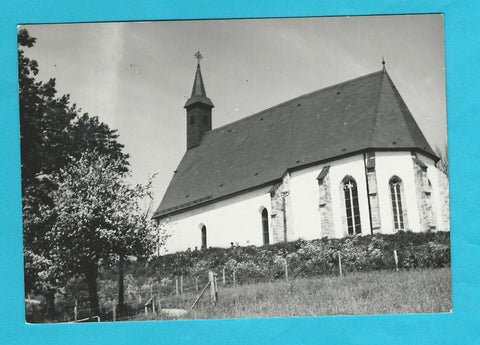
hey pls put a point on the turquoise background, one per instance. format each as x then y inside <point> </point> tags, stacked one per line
<point>462,326</point>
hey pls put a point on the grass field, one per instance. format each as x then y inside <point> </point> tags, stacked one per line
<point>379,292</point>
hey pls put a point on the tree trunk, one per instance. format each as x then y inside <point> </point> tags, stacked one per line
<point>121,288</point>
<point>50,300</point>
<point>91,276</point>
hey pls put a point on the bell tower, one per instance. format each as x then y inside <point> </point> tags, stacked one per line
<point>199,110</point>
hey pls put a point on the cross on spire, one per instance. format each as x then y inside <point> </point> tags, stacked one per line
<point>198,56</point>
<point>383,63</point>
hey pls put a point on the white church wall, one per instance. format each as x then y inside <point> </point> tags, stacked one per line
<point>387,165</point>
<point>237,219</point>
<point>304,202</point>
<point>305,197</point>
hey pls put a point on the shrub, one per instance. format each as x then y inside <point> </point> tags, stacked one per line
<point>312,258</point>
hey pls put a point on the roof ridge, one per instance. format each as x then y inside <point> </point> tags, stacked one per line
<point>295,98</point>
<point>376,108</point>
<point>408,121</point>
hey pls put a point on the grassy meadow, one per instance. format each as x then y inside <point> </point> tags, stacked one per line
<point>378,292</point>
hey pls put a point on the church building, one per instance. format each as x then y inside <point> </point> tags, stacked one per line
<point>345,160</point>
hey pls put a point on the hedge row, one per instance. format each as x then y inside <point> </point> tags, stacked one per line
<point>308,258</point>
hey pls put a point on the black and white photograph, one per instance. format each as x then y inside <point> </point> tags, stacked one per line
<point>234,168</point>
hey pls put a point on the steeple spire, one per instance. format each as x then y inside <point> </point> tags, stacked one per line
<point>383,63</point>
<point>199,109</point>
<point>199,95</point>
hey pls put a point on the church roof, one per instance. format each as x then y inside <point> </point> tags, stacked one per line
<point>362,114</point>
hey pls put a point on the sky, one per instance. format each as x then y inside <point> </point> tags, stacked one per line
<point>136,76</point>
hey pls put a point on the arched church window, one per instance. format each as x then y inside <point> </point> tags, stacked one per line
<point>397,204</point>
<point>266,238</point>
<point>204,237</point>
<point>192,120</point>
<point>351,206</point>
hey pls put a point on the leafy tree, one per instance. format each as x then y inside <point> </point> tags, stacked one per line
<point>52,132</point>
<point>43,120</point>
<point>99,219</point>
<point>442,164</point>
<point>41,275</point>
<point>51,129</point>
<point>138,235</point>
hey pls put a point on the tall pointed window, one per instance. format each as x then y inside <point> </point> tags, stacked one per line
<point>397,205</point>
<point>351,206</point>
<point>204,237</point>
<point>266,237</point>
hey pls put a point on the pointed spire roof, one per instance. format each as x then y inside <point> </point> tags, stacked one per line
<point>199,95</point>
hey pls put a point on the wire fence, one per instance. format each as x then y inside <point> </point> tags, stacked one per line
<point>179,294</point>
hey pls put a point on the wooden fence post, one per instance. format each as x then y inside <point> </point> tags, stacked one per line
<point>286,269</point>
<point>196,284</point>
<point>340,264</point>
<point>176,286</point>
<point>216,286</point>
<point>146,310</point>
<point>153,304</point>
<point>223,277</point>
<point>213,288</point>
<point>395,256</point>
<point>75,309</point>
<point>181,284</point>
<point>114,311</point>
<point>234,280</point>
<point>199,295</point>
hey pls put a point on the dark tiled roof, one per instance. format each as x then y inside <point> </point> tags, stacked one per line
<point>360,114</point>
